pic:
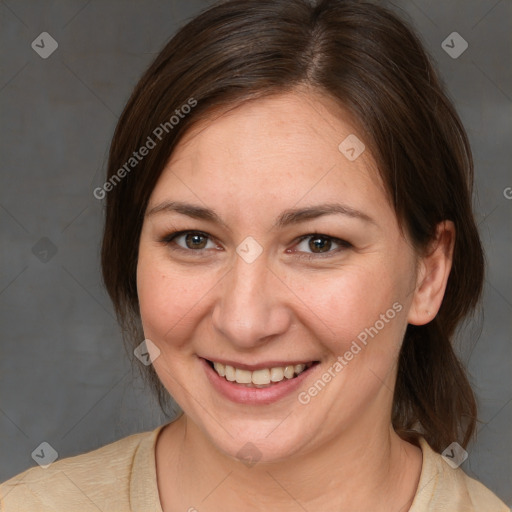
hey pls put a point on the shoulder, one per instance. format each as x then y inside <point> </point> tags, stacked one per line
<point>96,480</point>
<point>444,488</point>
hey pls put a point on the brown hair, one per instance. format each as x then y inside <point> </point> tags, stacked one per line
<point>367,59</point>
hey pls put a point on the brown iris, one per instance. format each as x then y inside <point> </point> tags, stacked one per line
<point>196,241</point>
<point>323,244</point>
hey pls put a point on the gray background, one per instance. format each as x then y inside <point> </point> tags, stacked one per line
<point>64,376</point>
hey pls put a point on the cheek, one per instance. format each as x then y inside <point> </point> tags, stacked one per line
<point>358,316</point>
<point>344,303</point>
<point>169,301</point>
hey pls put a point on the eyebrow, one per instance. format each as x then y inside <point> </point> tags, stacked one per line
<point>288,217</point>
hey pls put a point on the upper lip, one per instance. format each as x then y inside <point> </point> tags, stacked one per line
<point>259,366</point>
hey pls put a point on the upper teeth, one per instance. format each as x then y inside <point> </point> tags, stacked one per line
<point>259,377</point>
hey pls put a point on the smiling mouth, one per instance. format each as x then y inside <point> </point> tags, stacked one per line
<point>261,378</point>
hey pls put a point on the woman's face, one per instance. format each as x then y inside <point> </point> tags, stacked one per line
<point>290,254</point>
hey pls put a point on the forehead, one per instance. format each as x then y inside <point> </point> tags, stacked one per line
<point>297,125</point>
<point>284,147</point>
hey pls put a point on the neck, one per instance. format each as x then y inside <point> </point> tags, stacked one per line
<point>375,471</point>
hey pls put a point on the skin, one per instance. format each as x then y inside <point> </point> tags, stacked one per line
<point>338,452</point>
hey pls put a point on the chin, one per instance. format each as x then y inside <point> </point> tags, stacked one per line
<point>259,441</point>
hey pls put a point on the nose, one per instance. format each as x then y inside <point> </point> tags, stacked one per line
<point>251,307</point>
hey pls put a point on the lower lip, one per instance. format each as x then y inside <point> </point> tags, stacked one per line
<point>243,395</point>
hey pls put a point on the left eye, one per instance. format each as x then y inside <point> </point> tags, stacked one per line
<point>320,244</point>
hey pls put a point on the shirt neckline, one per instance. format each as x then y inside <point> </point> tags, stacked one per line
<point>144,494</point>
<point>429,478</point>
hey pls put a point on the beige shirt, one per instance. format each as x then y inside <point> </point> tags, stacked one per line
<point>121,477</point>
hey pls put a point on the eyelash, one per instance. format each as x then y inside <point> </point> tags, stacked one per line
<point>169,238</point>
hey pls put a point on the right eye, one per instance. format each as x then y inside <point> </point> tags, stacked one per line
<point>188,241</point>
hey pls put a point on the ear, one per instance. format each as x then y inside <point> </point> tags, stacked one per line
<point>433,271</point>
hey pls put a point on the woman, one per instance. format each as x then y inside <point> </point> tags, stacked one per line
<point>289,229</point>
